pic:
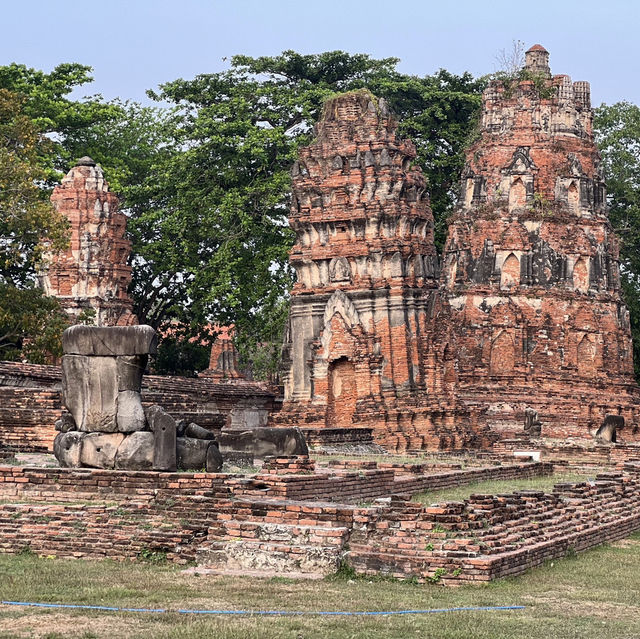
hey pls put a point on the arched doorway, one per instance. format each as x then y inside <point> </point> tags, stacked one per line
<point>342,395</point>
<point>510,275</point>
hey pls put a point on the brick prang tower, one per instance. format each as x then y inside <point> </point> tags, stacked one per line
<point>531,286</point>
<point>366,267</point>
<point>92,274</point>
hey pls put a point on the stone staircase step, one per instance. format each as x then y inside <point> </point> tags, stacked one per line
<point>270,559</point>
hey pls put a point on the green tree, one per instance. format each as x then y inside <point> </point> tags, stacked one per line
<point>617,129</point>
<point>125,137</point>
<point>180,356</point>
<point>28,223</point>
<point>47,104</point>
<point>31,325</point>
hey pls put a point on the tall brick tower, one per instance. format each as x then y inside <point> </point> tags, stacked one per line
<point>366,266</point>
<point>93,272</point>
<point>535,318</point>
<point>365,262</point>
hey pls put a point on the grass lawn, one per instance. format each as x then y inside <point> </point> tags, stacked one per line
<point>498,487</point>
<point>594,595</point>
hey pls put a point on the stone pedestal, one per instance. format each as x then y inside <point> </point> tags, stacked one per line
<point>102,370</point>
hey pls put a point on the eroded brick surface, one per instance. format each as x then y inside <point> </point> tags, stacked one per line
<point>366,268</point>
<point>523,332</point>
<point>233,524</point>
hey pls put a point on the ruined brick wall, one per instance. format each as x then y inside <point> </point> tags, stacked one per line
<point>574,453</point>
<point>31,402</point>
<point>487,537</point>
<point>373,482</point>
<point>154,512</point>
<point>296,479</point>
<point>366,266</point>
<point>93,273</point>
<point>532,315</point>
<point>27,418</point>
<point>208,518</point>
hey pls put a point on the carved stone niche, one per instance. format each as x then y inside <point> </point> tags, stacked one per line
<point>339,270</point>
<point>518,178</point>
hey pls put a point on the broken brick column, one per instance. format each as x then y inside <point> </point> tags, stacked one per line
<point>223,361</point>
<point>93,273</point>
<point>366,266</point>
<point>534,314</point>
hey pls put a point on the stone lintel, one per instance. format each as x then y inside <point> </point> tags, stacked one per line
<point>109,341</point>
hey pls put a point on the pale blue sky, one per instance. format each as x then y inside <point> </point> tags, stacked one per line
<point>137,44</point>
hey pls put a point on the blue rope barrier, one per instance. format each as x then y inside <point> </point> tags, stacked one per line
<point>273,613</point>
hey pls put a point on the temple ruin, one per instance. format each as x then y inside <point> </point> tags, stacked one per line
<point>519,331</point>
<point>531,286</point>
<point>508,359</point>
<point>367,269</point>
<point>524,332</point>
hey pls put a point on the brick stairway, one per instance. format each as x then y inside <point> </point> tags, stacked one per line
<point>277,538</point>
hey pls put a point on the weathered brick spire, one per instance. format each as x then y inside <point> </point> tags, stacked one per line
<point>93,272</point>
<point>530,268</point>
<point>223,361</point>
<point>365,263</point>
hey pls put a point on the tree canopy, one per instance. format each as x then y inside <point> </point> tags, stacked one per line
<point>617,128</point>
<point>216,239</point>
<point>28,222</point>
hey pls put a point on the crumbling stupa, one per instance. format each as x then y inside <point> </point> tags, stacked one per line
<point>530,276</point>
<point>93,273</point>
<point>366,267</point>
